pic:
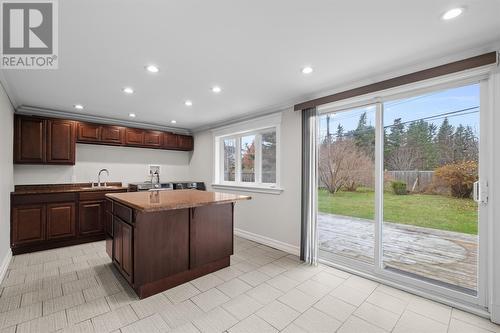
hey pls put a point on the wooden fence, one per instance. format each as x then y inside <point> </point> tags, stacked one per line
<point>415,180</point>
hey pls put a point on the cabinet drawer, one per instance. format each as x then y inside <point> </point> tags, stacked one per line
<point>42,198</point>
<point>123,212</point>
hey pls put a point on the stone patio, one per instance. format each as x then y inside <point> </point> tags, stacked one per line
<point>445,256</point>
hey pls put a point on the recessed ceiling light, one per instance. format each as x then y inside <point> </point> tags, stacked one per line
<point>452,13</point>
<point>152,68</point>
<point>216,89</point>
<point>131,115</point>
<point>173,121</point>
<point>188,103</point>
<point>128,90</point>
<point>78,106</point>
<point>307,70</point>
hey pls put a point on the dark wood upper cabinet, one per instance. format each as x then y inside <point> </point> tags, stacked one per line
<point>29,140</point>
<point>88,132</point>
<point>61,220</point>
<point>170,140</point>
<point>40,140</point>
<point>153,138</point>
<point>28,224</point>
<point>60,141</point>
<point>185,142</point>
<point>134,137</point>
<point>112,134</point>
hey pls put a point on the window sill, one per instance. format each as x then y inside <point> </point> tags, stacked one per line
<point>253,189</point>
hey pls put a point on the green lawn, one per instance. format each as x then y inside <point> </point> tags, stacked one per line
<point>423,210</point>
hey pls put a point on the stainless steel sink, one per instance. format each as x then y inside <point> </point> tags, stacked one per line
<point>101,188</point>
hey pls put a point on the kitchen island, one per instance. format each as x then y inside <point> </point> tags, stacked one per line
<point>161,239</point>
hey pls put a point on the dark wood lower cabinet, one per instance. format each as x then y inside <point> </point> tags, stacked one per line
<point>49,220</point>
<point>123,248</point>
<point>61,222</point>
<point>91,217</point>
<point>28,224</point>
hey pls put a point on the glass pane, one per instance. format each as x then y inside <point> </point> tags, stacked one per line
<point>248,159</point>
<point>346,185</point>
<point>431,149</point>
<point>269,157</point>
<point>229,160</point>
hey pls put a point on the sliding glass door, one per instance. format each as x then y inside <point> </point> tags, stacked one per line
<point>399,191</point>
<point>346,191</point>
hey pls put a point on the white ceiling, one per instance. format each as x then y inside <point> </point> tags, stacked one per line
<point>253,49</point>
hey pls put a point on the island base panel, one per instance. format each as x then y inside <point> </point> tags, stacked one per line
<point>158,286</point>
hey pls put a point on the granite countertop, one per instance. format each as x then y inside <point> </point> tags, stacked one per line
<point>65,188</point>
<point>151,201</point>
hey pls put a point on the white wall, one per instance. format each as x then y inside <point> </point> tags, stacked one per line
<point>125,164</point>
<point>6,179</point>
<point>271,217</point>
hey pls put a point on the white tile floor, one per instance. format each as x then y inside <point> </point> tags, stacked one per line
<point>76,289</point>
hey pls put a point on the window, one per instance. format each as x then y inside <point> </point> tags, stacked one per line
<point>248,159</point>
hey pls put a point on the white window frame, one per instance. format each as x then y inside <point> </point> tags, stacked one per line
<point>251,127</point>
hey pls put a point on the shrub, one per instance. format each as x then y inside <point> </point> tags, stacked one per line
<point>460,177</point>
<point>399,187</point>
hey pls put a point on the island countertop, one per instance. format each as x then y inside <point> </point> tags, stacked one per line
<point>151,201</point>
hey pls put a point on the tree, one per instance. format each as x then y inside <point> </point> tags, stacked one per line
<point>444,141</point>
<point>339,134</point>
<point>420,138</point>
<point>364,136</point>
<point>393,143</point>
<point>342,165</point>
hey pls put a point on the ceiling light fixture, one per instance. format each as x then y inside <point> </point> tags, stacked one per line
<point>131,115</point>
<point>78,106</point>
<point>188,103</point>
<point>307,70</point>
<point>452,13</point>
<point>128,90</point>
<point>152,68</point>
<point>173,121</point>
<point>216,89</point>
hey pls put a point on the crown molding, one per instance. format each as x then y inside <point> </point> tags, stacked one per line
<point>44,112</point>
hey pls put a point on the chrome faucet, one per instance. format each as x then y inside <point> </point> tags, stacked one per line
<point>99,177</point>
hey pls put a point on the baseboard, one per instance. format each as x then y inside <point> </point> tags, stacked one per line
<point>5,264</point>
<point>292,249</point>
<point>495,314</point>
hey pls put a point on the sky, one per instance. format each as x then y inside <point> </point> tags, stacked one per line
<point>435,104</point>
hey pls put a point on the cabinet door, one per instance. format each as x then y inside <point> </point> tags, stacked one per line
<point>88,132</point>
<point>153,138</point>
<point>117,241</point>
<point>127,250</point>
<point>134,137</point>
<point>29,140</point>
<point>91,215</point>
<point>170,141</point>
<point>185,142</point>
<point>112,134</point>
<point>28,224</point>
<point>61,220</point>
<point>60,141</point>
<point>211,234</point>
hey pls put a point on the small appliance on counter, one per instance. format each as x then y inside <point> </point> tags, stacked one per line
<point>166,186</point>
